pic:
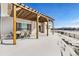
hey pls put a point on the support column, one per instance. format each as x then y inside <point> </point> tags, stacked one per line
<point>37,26</point>
<point>14,25</point>
<point>53,27</point>
<point>47,28</point>
<point>42,24</point>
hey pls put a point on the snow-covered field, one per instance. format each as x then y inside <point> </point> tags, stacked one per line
<point>71,31</point>
<point>75,32</point>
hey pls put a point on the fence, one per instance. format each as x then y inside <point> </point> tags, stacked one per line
<point>68,34</point>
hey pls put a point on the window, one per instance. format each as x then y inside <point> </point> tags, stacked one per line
<point>28,26</point>
<point>21,26</point>
<point>18,26</point>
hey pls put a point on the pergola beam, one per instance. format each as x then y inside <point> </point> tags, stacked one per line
<point>18,9</point>
<point>30,10</point>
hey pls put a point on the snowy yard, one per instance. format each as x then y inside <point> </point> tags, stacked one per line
<point>51,45</point>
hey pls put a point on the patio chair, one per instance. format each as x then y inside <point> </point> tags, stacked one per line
<point>28,34</point>
<point>22,35</point>
<point>9,36</point>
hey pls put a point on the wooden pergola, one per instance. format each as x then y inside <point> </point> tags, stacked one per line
<point>19,11</point>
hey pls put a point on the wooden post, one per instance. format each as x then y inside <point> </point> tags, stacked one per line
<point>37,26</point>
<point>47,28</point>
<point>14,25</point>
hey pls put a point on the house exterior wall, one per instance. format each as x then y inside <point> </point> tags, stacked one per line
<point>6,25</point>
<point>4,17</point>
<point>7,21</point>
<point>4,9</point>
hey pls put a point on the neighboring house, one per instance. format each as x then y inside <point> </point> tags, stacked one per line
<point>22,19</point>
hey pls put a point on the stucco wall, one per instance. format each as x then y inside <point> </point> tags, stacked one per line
<point>6,25</point>
<point>4,9</point>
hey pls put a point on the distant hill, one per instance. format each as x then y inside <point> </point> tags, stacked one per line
<point>67,28</point>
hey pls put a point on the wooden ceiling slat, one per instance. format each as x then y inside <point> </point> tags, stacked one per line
<point>26,15</point>
<point>21,11</point>
<point>33,16</point>
<point>30,15</point>
<point>17,12</point>
<point>33,19</point>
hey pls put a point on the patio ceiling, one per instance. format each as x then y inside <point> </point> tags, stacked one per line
<point>28,14</point>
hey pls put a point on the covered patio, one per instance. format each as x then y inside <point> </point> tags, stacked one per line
<point>26,13</point>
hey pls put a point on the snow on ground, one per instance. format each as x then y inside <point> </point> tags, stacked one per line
<point>67,48</point>
<point>51,45</point>
<point>44,46</point>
